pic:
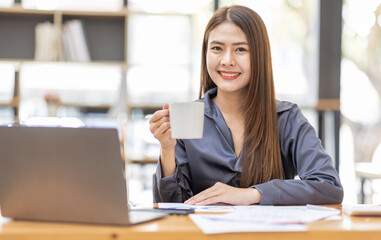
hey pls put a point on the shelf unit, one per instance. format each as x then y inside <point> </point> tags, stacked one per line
<point>106,34</point>
<point>143,161</point>
<point>107,39</point>
<point>105,29</point>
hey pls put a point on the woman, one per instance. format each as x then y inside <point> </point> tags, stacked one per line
<point>253,146</point>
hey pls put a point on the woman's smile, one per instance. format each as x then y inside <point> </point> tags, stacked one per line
<point>227,75</point>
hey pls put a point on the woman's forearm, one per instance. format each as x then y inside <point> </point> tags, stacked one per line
<point>168,163</point>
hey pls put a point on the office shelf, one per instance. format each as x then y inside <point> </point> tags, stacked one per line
<point>106,36</point>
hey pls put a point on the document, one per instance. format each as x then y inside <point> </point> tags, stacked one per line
<point>217,223</point>
<point>255,218</point>
<point>282,214</point>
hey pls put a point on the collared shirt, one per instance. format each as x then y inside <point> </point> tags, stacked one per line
<point>200,163</point>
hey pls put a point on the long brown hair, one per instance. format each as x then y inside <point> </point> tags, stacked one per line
<point>260,156</point>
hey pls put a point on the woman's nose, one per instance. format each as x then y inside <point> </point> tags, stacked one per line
<point>228,59</point>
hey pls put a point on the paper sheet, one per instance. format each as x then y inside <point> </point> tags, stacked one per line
<point>282,214</point>
<point>216,223</point>
<point>255,218</point>
<point>271,214</point>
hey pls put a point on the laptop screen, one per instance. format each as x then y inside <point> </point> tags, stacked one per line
<point>62,174</point>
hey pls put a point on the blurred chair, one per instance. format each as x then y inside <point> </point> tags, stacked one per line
<point>369,171</point>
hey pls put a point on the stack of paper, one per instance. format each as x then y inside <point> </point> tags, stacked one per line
<point>362,209</point>
<point>255,218</point>
<point>217,223</point>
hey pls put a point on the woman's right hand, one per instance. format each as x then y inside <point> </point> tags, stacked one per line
<point>161,128</point>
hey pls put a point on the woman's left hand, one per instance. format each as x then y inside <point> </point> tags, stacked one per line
<point>222,193</point>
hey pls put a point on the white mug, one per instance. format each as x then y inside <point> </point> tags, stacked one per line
<point>187,120</point>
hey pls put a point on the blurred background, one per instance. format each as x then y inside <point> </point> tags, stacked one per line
<point>112,63</point>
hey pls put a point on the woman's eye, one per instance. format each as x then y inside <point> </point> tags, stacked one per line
<point>241,50</point>
<point>216,48</point>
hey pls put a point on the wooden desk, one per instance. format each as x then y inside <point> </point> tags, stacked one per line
<point>182,227</point>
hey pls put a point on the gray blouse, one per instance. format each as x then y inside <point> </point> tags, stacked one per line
<point>200,163</point>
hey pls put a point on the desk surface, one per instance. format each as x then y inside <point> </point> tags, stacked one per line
<point>182,227</point>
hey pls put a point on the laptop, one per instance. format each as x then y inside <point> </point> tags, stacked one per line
<point>65,175</point>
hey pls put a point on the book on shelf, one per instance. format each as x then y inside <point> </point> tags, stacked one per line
<point>46,42</point>
<point>75,47</point>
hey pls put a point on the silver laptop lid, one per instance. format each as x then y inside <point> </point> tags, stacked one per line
<point>62,174</point>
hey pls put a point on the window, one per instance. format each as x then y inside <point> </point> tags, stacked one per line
<point>360,93</point>
<point>292,26</point>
